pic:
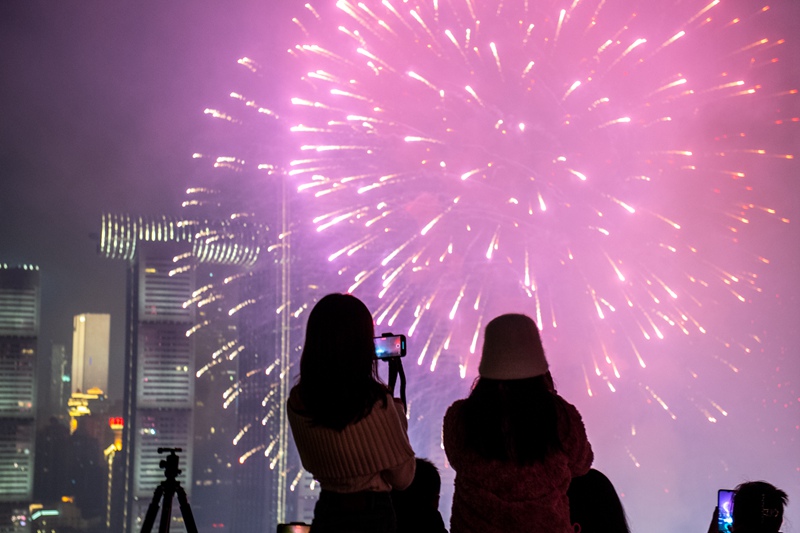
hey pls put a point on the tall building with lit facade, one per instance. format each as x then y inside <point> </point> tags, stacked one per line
<point>255,500</point>
<point>244,176</point>
<point>91,334</point>
<point>159,403</point>
<point>19,330</point>
<point>59,381</point>
<point>216,425</point>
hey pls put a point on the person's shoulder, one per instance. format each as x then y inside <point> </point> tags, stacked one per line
<point>454,412</point>
<point>386,405</point>
<point>384,399</point>
<point>455,408</point>
<point>567,407</point>
<point>457,405</point>
<point>569,418</point>
<point>294,403</point>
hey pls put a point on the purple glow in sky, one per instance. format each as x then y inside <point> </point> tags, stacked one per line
<point>620,171</point>
<point>532,155</point>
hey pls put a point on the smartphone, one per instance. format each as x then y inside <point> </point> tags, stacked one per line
<point>294,527</point>
<point>388,346</point>
<point>725,506</point>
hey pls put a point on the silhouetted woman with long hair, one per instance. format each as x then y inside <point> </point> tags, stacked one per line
<point>349,431</point>
<point>514,443</point>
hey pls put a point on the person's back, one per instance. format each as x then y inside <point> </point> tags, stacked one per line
<point>350,433</point>
<point>514,443</point>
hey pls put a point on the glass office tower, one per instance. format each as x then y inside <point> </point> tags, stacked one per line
<point>19,330</point>
<point>159,402</point>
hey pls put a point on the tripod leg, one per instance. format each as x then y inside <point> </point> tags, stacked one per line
<point>186,511</point>
<point>152,510</point>
<point>166,509</point>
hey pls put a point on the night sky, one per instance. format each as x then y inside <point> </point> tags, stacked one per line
<point>102,108</point>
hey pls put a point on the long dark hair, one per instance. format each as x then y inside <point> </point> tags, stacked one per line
<point>512,420</point>
<point>339,381</point>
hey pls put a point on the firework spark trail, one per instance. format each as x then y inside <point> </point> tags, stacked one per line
<point>461,152</point>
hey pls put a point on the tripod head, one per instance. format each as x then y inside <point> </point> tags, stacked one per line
<point>170,464</point>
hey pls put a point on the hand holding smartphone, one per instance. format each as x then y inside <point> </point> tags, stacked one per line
<point>725,507</point>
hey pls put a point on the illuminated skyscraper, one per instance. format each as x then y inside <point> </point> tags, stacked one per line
<point>19,330</point>
<point>256,502</point>
<point>90,348</point>
<point>59,381</point>
<point>159,389</point>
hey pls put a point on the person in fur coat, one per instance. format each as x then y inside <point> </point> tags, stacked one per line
<point>514,443</point>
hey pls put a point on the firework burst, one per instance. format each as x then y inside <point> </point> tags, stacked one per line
<point>589,163</point>
<point>594,164</point>
<point>606,166</point>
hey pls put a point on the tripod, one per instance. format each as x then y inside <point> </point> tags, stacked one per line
<point>167,489</point>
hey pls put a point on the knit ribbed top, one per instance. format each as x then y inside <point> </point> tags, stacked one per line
<point>371,454</point>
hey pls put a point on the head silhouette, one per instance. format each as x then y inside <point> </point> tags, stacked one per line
<point>417,507</point>
<point>758,508</point>
<point>594,505</point>
<point>338,371</point>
